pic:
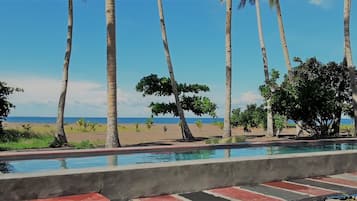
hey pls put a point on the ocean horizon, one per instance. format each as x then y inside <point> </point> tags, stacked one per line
<point>128,120</point>
<point>121,120</point>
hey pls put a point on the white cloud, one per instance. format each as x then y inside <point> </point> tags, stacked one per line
<point>84,98</point>
<point>322,3</point>
<point>248,97</point>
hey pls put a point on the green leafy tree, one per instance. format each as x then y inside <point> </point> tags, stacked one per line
<point>188,95</point>
<point>5,104</point>
<point>316,96</point>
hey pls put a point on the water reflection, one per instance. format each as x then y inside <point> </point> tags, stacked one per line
<point>63,163</point>
<point>5,167</point>
<point>112,160</point>
<point>227,153</point>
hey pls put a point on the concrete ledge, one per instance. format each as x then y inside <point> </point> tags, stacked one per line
<point>123,183</point>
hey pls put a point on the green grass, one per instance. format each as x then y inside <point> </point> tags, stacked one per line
<point>219,124</point>
<point>230,140</point>
<point>40,141</point>
<point>85,144</point>
<point>346,128</point>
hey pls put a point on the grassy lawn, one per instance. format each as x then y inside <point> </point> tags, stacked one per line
<point>40,141</point>
<point>36,137</point>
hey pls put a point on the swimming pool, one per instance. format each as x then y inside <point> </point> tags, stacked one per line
<point>44,165</point>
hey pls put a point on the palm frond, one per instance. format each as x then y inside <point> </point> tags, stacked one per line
<point>242,3</point>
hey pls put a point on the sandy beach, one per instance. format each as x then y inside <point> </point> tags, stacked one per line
<point>130,135</point>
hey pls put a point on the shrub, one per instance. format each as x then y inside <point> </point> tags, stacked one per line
<point>199,123</point>
<point>149,122</point>
<point>137,127</point>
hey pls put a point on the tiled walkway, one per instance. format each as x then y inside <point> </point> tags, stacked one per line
<point>317,188</point>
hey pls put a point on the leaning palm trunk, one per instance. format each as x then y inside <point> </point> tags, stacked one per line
<point>112,139</point>
<point>186,130</point>
<point>285,51</point>
<point>270,131</point>
<point>60,135</point>
<point>348,56</point>
<point>227,115</point>
<point>283,39</point>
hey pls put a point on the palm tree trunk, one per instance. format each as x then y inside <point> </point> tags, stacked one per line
<point>283,39</point>
<point>112,125</point>
<point>270,131</point>
<point>227,131</point>
<point>285,48</point>
<point>348,55</point>
<point>186,130</point>
<point>60,135</point>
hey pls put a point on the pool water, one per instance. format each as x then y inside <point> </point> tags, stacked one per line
<point>26,166</point>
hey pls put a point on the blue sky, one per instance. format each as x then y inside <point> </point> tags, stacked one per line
<point>33,40</point>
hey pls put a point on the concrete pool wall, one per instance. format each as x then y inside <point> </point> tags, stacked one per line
<point>126,182</point>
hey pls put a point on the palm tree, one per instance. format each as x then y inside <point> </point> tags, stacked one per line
<point>270,131</point>
<point>184,127</point>
<point>227,115</point>
<point>276,4</point>
<point>348,56</point>
<point>60,135</point>
<point>112,124</point>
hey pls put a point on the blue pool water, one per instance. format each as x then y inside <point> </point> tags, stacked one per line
<point>24,166</point>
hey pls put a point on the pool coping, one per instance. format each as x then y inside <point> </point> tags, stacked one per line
<point>126,182</point>
<point>55,154</point>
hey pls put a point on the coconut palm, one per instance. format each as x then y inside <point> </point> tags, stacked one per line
<point>112,139</point>
<point>227,131</point>
<point>348,56</point>
<point>60,135</point>
<point>276,4</point>
<point>184,127</point>
<point>270,131</point>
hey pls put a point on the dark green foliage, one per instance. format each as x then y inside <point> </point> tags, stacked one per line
<point>199,105</point>
<point>5,105</point>
<point>242,3</point>
<point>12,135</point>
<point>317,96</point>
<point>252,116</point>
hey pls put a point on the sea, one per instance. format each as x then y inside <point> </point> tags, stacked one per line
<point>128,120</point>
<point>103,120</point>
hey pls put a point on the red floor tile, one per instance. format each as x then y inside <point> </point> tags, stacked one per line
<point>300,188</point>
<point>241,194</point>
<point>82,197</point>
<point>353,173</point>
<point>336,181</point>
<point>160,198</point>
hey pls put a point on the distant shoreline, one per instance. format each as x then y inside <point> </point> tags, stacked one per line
<point>121,120</point>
